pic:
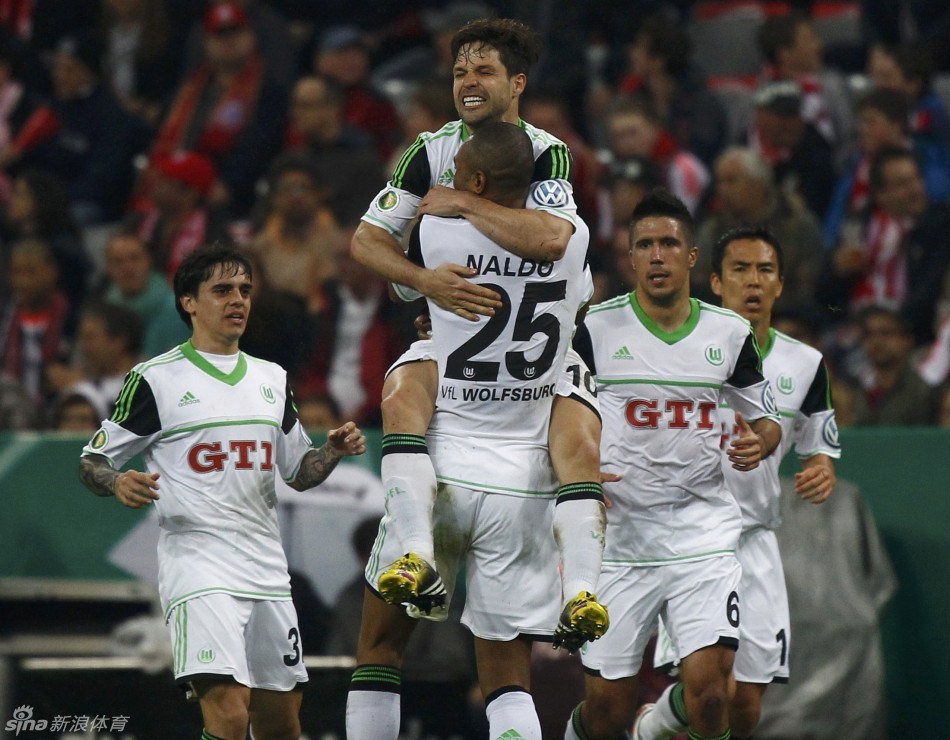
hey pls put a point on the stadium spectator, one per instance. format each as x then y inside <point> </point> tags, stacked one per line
<point>802,160</point>
<point>39,207</point>
<point>350,169</point>
<point>429,108</point>
<point>890,392</point>
<point>77,411</point>
<point>229,110</point>
<point>37,321</point>
<point>882,122</point>
<point>901,256</point>
<point>178,218</point>
<point>746,194</point>
<point>661,72</point>
<point>299,240</point>
<point>93,147</point>
<point>17,411</point>
<point>140,61</point>
<point>633,129</point>
<point>108,344</point>
<point>134,284</point>
<point>622,186</point>
<point>342,56</point>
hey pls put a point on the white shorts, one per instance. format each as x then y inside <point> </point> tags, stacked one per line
<point>506,544</point>
<point>698,600</point>
<point>764,631</point>
<point>574,382</point>
<point>255,642</point>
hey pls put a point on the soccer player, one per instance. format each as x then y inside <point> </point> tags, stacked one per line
<point>215,425</point>
<point>747,269</point>
<point>495,509</point>
<point>492,58</point>
<point>663,362</point>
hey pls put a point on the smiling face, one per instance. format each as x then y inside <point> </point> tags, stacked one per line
<point>662,259</point>
<point>482,89</point>
<point>749,283</point>
<point>219,310</point>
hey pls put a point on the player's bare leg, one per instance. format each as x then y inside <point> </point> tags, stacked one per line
<point>707,684</point>
<point>224,707</point>
<point>504,677</point>
<point>607,709</point>
<point>580,519</point>
<point>275,715</point>
<point>746,708</point>
<point>408,402</point>
<point>372,704</point>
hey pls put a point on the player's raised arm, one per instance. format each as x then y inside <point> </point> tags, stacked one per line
<point>318,463</point>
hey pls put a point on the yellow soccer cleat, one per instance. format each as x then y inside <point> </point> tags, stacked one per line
<point>582,619</point>
<point>412,582</point>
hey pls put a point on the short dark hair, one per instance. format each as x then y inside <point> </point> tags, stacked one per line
<point>200,265</point>
<point>915,61</point>
<point>292,162</point>
<point>891,103</point>
<point>669,41</point>
<point>119,322</point>
<point>777,32</point>
<point>877,310</point>
<point>882,159</point>
<point>751,232</point>
<point>504,152</point>
<point>517,45</point>
<point>661,202</point>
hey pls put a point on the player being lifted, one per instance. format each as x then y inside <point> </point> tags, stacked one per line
<point>747,269</point>
<point>215,425</point>
<point>492,58</point>
<point>663,362</point>
<point>488,439</point>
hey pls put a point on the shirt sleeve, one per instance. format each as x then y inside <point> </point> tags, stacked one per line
<point>414,255</point>
<point>584,346</point>
<point>816,429</point>
<point>395,206</point>
<point>133,426</point>
<point>747,391</point>
<point>293,441</point>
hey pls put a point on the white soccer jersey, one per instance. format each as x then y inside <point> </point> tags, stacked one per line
<point>430,161</point>
<point>218,440</point>
<point>799,381</point>
<point>659,395</point>
<point>498,375</point>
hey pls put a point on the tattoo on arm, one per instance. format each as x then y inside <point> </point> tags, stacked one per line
<point>98,475</point>
<point>316,465</point>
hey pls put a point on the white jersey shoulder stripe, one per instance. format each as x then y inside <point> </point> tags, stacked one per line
<point>227,423</point>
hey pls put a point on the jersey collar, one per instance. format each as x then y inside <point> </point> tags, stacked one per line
<point>232,378</point>
<point>670,337</point>
<point>769,343</point>
<point>467,132</point>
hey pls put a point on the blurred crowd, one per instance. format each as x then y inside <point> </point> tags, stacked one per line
<point>134,131</point>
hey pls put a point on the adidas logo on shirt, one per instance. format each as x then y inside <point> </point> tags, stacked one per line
<point>623,354</point>
<point>188,399</point>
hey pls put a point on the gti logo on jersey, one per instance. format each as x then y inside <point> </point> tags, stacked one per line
<point>549,193</point>
<point>645,413</point>
<point>210,457</point>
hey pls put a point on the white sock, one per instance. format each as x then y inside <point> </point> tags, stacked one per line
<point>579,526</point>
<point>573,731</point>
<point>662,722</point>
<point>410,494</point>
<point>372,715</point>
<point>512,712</point>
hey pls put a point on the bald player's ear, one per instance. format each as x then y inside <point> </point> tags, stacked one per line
<point>479,182</point>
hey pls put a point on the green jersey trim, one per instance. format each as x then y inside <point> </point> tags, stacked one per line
<point>232,378</point>
<point>494,489</point>
<point>670,337</point>
<point>769,344</point>
<point>680,559</point>
<point>256,595</point>
<point>212,424</point>
<point>655,381</point>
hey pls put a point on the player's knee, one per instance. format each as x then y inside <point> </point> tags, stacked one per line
<point>277,728</point>
<point>607,716</point>
<point>228,720</point>
<point>708,704</point>
<point>744,713</point>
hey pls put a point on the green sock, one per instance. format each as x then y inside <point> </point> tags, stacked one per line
<point>724,736</point>
<point>205,735</point>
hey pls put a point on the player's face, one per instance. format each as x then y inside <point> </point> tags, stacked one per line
<point>749,283</point>
<point>219,311</point>
<point>482,89</point>
<point>662,259</point>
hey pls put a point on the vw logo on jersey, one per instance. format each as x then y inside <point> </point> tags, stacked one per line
<point>714,355</point>
<point>829,431</point>
<point>768,400</point>
<point>549,193</point>
<point>267,393</point>
<point>785,384</point>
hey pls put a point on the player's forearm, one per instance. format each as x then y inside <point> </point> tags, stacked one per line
<point>379,251</point>
<point>530,234</point>
<point>316,465</point>
<point>770,432</point>
<point>98,475</point>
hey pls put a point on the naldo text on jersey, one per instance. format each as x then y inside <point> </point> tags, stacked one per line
<point>494,266</point>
